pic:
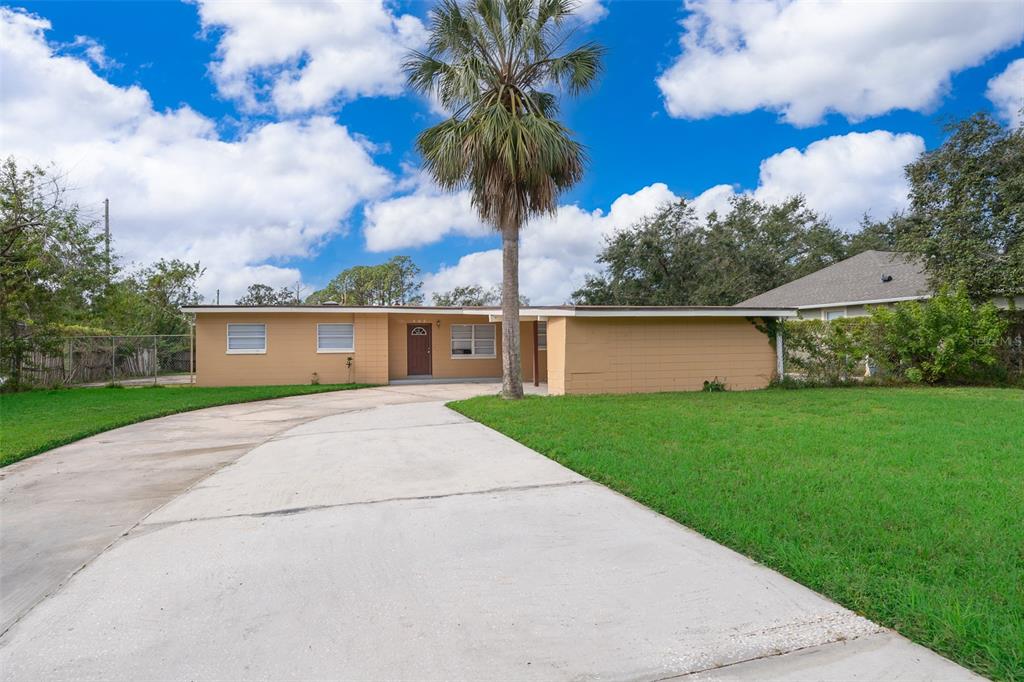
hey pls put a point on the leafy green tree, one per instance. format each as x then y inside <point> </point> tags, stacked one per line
<point>671,258</point>
<point>757,246</point>
<point>967,209</point>
<point>395,282</point>
<point>149,301</point>
<point>656,261</point>
<point>52,267</point>
<point>946,338</point>
<point>876,235</point>
<point>261,294</point>
<point>490,63</point>
<point>472,295</point>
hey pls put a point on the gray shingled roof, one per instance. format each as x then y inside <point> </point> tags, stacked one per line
<point>849,281</point>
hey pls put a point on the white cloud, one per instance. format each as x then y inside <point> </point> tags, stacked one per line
<point>305,55</point>
<point>1006,92</point>
<point>591,11</point>
<point>714,199</point>
<point>424,216</point>
<point>807,58</point>
<point>556,252</point>
<point>842,177</point>
<point>94,52</point>
<point>176,188</point>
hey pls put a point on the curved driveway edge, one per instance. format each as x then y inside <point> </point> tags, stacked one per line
<point>61,508</point>
<point>408,542</point>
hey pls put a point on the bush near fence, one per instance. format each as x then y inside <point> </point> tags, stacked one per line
<point>945,339</point>
<point>825,353</point>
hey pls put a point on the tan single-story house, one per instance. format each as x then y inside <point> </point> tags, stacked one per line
<point>574,349</point>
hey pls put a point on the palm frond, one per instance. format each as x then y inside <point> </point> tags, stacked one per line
<point>491,60</point>
<point>577,70</point>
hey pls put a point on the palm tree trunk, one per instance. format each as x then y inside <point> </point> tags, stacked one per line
<point>511,366</point>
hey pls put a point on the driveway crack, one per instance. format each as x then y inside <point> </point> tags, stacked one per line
<point>290,511</point>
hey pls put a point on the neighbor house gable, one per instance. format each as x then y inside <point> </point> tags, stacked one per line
<point>869,278</point>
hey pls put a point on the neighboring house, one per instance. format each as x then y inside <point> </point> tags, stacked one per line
<point>846,288</point>
<point>575,349</point>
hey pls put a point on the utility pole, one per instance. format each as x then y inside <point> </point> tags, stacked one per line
<point>298,293</point>
<point>218,296</point>
<point>106,233</point>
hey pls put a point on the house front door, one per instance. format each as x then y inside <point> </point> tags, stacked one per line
<point>418,344</point>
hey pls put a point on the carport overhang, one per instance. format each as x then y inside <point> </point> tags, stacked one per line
<point>526,313</point>
<point>542,313</point>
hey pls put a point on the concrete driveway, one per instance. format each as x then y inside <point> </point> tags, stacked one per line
<point>378,535</point>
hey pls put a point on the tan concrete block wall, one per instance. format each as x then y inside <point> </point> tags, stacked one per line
<point>291,356</point>
<point>371,360</point>
<point>556,355</point>
<point>661,354</point>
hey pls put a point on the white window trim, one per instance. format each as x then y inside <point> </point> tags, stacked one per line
<point>825,313</point>
<point>472,343</point>
<point>245,351</point>
<point>352,349</point>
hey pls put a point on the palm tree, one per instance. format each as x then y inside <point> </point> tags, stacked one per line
<point>490,63</point>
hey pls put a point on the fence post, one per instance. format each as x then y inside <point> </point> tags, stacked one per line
<point>156,360</point>
<point>113,359</point>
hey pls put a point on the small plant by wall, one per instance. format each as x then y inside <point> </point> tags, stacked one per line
<point>714,385</point>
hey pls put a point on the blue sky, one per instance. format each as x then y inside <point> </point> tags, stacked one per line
<point>247,160</point>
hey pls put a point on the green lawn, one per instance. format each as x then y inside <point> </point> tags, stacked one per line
<point>905,505</point>
<point>35,421</point>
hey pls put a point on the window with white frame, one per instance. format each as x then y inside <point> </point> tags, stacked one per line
<point>247,338</point>
<point>473,341</point>
<point>834,314</point>
<point>335,338</point>
<point>542,336</point>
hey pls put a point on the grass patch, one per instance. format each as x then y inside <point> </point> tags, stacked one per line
<point>904,505</point>
<point>36,421</point>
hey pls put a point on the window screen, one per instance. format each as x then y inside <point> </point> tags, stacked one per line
<point>473,340</point>
<point>335,338</point>
<point>247,338</point>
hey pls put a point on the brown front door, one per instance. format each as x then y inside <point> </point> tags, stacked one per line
<point>418,344</point>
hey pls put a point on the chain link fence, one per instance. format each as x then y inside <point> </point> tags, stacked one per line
<point>166,358</point>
